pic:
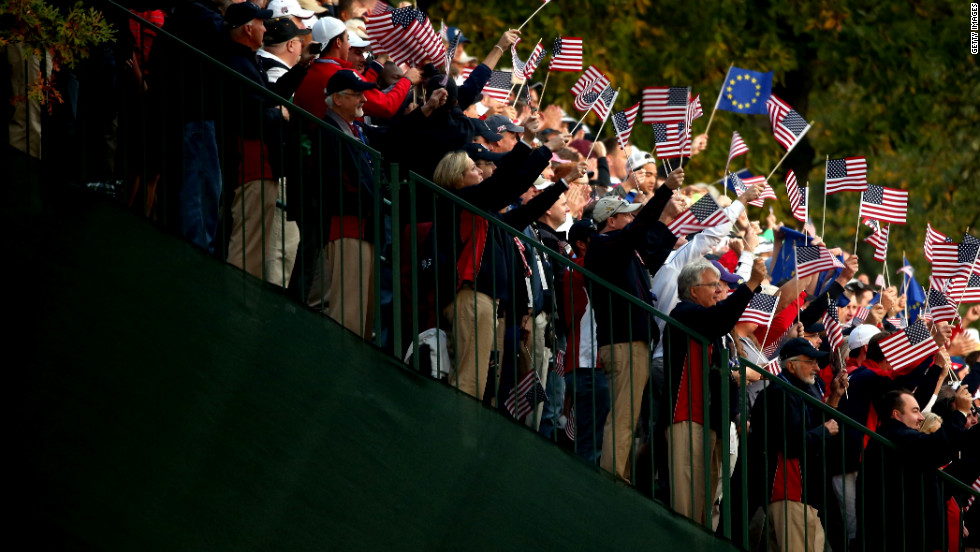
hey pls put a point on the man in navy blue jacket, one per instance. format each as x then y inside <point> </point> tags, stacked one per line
<point>624,331</point>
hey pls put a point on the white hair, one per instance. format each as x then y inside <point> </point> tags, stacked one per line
<point>691,275</point>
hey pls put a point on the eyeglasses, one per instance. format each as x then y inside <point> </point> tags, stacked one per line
<point>716,285</point>
<point>805,360</point>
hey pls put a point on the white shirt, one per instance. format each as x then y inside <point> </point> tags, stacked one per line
<point>275,72</point>
<point>664,286</point>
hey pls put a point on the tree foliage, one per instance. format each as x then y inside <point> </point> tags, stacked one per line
<point>888,80</point>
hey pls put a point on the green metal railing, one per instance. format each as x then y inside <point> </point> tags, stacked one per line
<point>394,257</point>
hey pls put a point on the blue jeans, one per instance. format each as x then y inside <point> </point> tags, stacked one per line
<point>551,413</point>
<point>591,396</point>
<point>200,192</point>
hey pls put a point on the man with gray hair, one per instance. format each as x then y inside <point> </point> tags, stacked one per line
<point>704,309</point>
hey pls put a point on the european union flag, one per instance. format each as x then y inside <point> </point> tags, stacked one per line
<point>746,91</point>
<point>783,266</point>
<point>914,295</point>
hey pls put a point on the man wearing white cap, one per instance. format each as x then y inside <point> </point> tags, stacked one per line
<point>282,8</point>
<point>333,34</point>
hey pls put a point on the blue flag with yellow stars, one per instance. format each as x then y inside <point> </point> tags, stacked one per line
<point>914,295</point>
<point>746,91</point>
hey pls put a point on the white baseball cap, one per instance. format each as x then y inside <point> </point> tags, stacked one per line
<point>328,28</point>
<point>861,335</point>
<point>289,7</point>
<point>356,41</point>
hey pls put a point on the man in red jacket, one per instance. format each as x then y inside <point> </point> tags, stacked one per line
<point>311,96</point>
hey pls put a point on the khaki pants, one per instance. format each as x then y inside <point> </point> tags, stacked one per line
<point>24,130</point>
<point>283,245</point>
<point>794,526</point>
<point>343,280</point>
<point>628,368</point>
<point>474,319</point>
<point>540,359</point>
<point>685,443</point>
<point>252,216</point>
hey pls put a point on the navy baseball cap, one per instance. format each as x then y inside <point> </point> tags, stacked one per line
<point>347,80</point>
<point>239,14</point>
<point>484,131</point>
<point>801,347</point>
<point>479,152</point>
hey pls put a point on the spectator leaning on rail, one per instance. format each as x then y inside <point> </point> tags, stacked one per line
<point>620,253</point>
<point>704,308</point>
<point>791,435</point>
<point>255,124</point>
<point>900,494</point>
<point>339,274</point>
<point>468,294</point>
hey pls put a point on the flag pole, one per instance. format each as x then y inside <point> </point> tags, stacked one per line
<point>796,262</point>
<point>543,88</point>
<point>520,89</point>
<point>790,150</point>
<point>718,102</point>
<point>580,121</point>
<point>905,279</point>
<point>532,16</point>
<point>823,225</point>
<point>687,130</point>
<point>857,230</point>
<point>724,177</point>
<point>603,124</point>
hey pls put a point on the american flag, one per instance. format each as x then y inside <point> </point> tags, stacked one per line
<point>831,324</point>
<point>849,174</point>
<point>684,138</point>
<point>453,44</point>
<point>696,111</point>
<point>405,34</point>
<point>570,424</point>
<point>773,367</point>
<point>604,104</point>
<point>705,213</point>
<point>862,313</point>
<point>558,366</point>
<point>526,396</point>
<point>667,139</point>
<point>525,70</point>
<point>566,55</point>
<point>623,123</point>
<point>941,306</point>
<point>954,259</point>
<point>788,126</point>
<point>738,147</point>
<point>499,86</point>
<point>884,204</point>
<point>811,259</point>
<point>797,197</point>
<point>965,290</point>
<point>932,236</point>
<point>588,81</point>
<point>908,346</point>
<point>740,185</point>
<point>381,7</point>
<point>662,104</point>
<point>878,238</point>
<point>898,322</point>
<point>465,73</point>
<point>760,310</point>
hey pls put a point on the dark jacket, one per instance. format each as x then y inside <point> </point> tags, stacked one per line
<point>613,257</point>
<point>788,439</point>
<point>901,499</point>
<point>467,237</point>
<point>683,359</point>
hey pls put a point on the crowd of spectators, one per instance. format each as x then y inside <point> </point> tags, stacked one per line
<point>608,379</point>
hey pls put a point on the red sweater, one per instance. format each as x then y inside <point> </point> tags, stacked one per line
<point>311,94</point>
